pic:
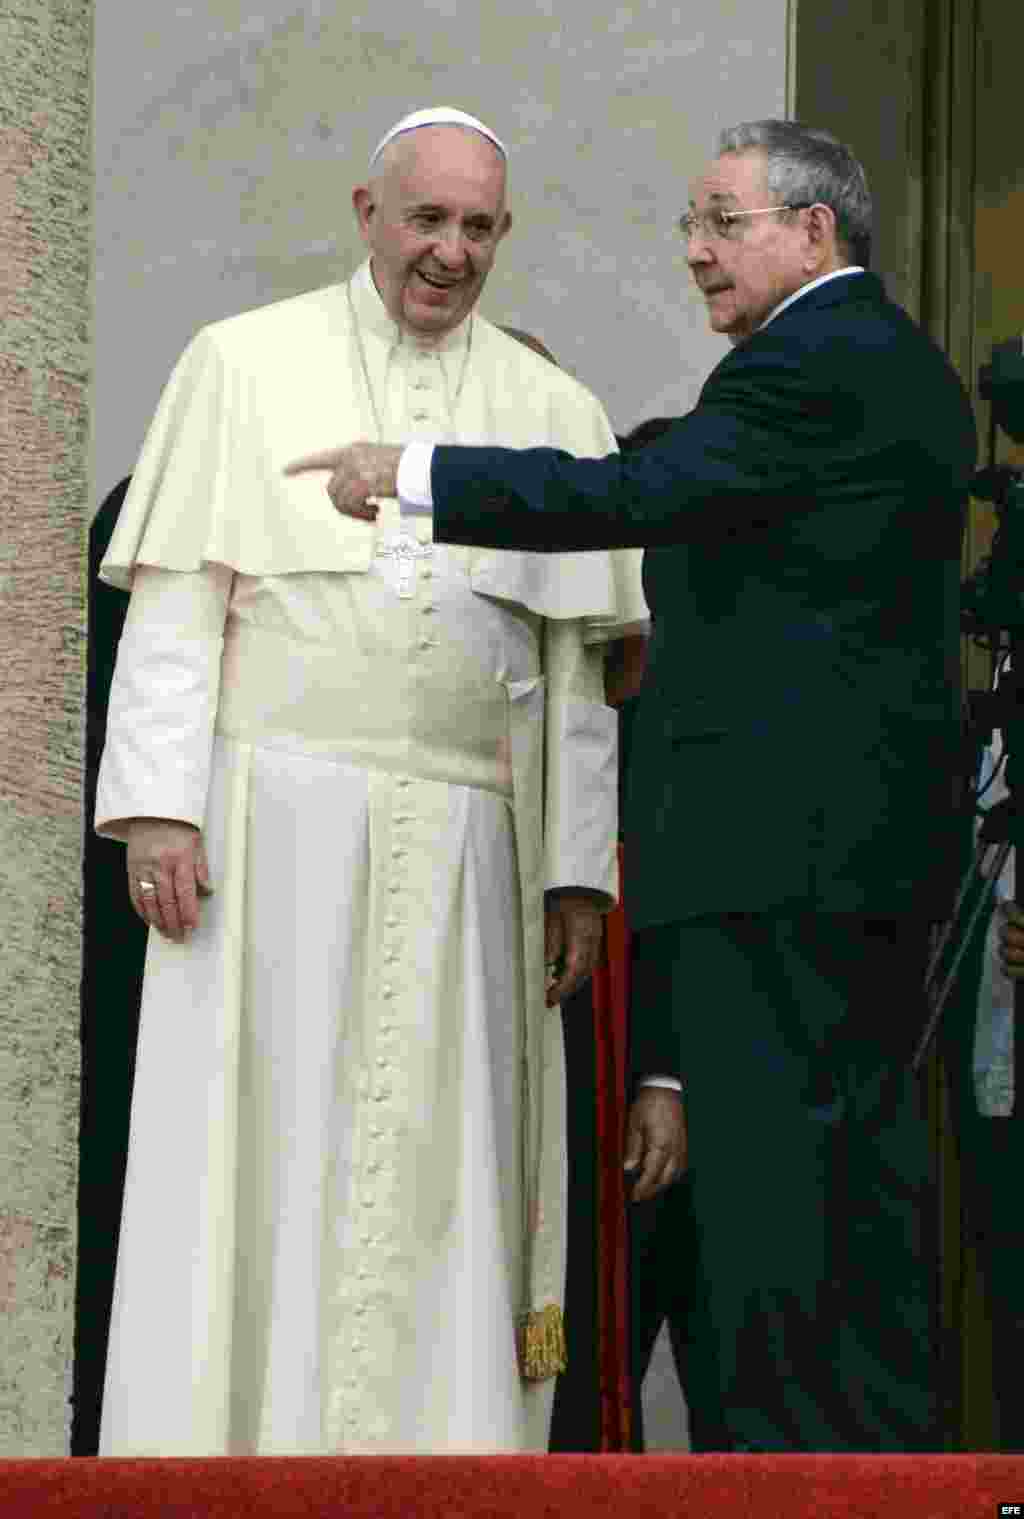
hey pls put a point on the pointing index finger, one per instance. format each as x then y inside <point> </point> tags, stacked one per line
<point>328,458</point>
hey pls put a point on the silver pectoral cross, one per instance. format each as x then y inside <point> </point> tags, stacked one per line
<point>403,550</point>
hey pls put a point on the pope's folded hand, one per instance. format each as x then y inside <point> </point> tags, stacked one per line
<point>358,471</point>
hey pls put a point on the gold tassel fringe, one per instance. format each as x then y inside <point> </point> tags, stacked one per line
<point>541,1338</point>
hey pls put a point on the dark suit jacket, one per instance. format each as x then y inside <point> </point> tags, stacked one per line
<point>796,730</point>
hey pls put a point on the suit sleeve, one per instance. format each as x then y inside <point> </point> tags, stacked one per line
<point>581,764</point>
<point>754,446</point>
<point>163,700</point>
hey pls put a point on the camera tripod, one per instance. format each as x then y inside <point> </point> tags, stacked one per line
<point>974,895</point>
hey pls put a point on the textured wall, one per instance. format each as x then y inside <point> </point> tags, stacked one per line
<point>229,136</point>
<point>45,197</point>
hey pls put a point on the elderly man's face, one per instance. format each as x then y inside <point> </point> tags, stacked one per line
<point>761,261</point>
<point>432,219</point>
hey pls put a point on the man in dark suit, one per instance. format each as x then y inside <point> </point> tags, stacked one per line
<point>789,818</point>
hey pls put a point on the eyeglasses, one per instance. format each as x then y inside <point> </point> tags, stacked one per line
<point>718,223</point>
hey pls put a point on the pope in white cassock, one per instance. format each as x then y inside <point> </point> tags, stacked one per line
<point>360,778</point>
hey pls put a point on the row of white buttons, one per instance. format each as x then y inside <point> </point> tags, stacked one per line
<point>428,609</point>
<point>355,1417</point>
<point>424,380</point>
<point>378,1133</point>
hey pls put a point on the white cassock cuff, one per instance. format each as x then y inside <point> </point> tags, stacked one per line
<point>415,498</point>
<point>582,796</point>
<point>163,700</point>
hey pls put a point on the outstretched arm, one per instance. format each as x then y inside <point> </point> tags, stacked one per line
<point>758,445</point>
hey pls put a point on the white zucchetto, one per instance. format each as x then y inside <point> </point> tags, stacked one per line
<point>437,116</point>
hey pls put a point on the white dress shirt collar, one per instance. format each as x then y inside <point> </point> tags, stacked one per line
<point>822,279</point>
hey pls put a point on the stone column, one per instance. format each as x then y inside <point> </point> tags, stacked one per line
<point>45,246</point>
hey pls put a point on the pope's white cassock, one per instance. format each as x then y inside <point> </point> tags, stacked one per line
<point>346,1172</point>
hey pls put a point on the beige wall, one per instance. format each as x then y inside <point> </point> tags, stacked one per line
<point>229,137</point>
<point>45,196</point>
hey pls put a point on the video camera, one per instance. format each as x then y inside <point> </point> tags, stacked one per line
<point>1002,384</point>
<point>992,598</point>
<point>992,613</point>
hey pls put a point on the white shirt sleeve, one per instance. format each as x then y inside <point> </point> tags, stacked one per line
<point>413,484</point>
<point>662,1081</point>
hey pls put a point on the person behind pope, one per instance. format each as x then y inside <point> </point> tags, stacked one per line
<point>367,789</point>
<point>796,740</point>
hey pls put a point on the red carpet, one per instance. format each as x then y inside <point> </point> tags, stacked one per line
<point>517,1487</point>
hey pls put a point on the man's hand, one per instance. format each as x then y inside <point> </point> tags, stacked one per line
<point>167,874</point>
<point>573,925</point>
<point>358,471</point>
<point>656,1143</point>
<point>1011,940</point>
<point>624,668</point>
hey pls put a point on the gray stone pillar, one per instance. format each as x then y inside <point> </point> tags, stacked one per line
<point>45,245</point>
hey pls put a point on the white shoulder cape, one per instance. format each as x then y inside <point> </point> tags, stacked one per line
<point>255,391</point>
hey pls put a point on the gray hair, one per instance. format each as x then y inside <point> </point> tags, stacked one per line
<point>805,165</point>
